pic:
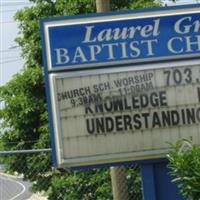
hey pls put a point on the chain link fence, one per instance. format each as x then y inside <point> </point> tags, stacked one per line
<point>29,175</point>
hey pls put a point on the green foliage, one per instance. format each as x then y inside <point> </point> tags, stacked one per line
<point>92,184</point>
<point>24,122</point>
<point>24,115</point>
<point>134,183</point>
<point>143,4</point>
<point>184,165</point>
<point>84,185</point>
<point>127,4</point>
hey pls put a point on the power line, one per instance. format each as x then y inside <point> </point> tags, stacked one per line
<point>12,4</point>
<point>4,11</point>
<point>14,1</point>
<point>10,61</point>
<point>8,22</point>
<point>9,50</point>
<point>10,10</point>
<point>8,57</point>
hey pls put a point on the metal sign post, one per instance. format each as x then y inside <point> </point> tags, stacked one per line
<point>157,184</point>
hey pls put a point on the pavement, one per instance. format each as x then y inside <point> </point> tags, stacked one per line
<point>14,188</point>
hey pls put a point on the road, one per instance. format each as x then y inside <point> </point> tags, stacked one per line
<point>13,188</point>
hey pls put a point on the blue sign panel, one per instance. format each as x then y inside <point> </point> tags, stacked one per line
<point>123,38</point>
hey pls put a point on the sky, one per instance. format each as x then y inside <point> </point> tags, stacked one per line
<point>10,60</point>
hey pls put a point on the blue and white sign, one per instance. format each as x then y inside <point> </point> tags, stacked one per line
<point>121,38</point>
<point>113,114</point>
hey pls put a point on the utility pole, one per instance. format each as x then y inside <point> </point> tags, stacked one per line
<point>119,183</point>
<point>118,174</point>
<point>103,5</point>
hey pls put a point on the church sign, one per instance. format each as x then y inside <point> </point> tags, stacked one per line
<point>128,37</point>
<point>122,86</point>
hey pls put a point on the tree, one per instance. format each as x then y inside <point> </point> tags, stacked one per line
<point>24,114</point>
<point>24,124</point>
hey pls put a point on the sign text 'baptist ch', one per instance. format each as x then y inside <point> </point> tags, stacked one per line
<point>125,40</point>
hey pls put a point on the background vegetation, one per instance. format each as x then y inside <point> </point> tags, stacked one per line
<point>184,165</point>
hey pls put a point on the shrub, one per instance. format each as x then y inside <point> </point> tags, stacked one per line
<point>184,165</point>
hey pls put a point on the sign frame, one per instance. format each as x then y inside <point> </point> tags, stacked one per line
<point>112,158</point>
<point>94,68</point>
<point>99,18</point>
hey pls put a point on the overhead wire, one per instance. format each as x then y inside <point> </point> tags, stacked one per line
<point>10,61</point>
<point>8,8</point>
<point>7,22</point>
<point>8,57</point>
<point>11,4</point>
<point>8,50</point>
<point>4,11</point>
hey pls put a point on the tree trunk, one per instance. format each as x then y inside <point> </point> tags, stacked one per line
<point>102,5</point>
<point>118,174</point>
